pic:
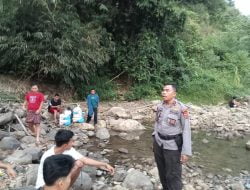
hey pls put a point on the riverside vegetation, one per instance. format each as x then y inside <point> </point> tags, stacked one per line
<point>202,45</point>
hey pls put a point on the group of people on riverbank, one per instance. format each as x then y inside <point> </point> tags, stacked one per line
<point>34,101</point>
<point>60,165</point>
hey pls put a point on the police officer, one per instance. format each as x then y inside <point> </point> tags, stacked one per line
<point>172,139</point>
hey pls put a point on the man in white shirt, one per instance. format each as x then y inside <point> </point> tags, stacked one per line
<point>64,145</point>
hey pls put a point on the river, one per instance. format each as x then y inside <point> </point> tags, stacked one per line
<point>217,156</point>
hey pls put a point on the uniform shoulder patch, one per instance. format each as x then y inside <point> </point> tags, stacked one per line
<point>185,113</point>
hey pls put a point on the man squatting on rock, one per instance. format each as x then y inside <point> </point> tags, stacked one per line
<point>171,139</point>
<point>64,145</point>
<point>33,103</point>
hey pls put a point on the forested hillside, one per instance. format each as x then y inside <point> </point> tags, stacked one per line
<point>201,45</point>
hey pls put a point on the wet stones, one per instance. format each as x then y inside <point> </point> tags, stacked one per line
<point>137,180</point>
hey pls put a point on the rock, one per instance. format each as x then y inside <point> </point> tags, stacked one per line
<point>90,170</point>
<point>32,174</point>
<point>51,135</point>
<point>219,187</point>
<point>237,186</point>
<point>155,102</point>
<point>46,116</point>
<point>9,143</point>
<point>101,124</point>
<point>85,126</point>
<point>91,133</point>
<point>19,157</point>
<point>6,118</point>
<point>188,187</point>
<point>28,140</point>
<point>3,134</point>
<point>120,174</point>
<point>128,125</point>
<point>123,150</point>
<point>18,134</point>
<point>100,185</point>
<point>35,152</point>
<point>205,141</point>
<point>137,180</point>
<point>20,113</point>
<point>118,187</point>
<point>102,133</point>
<point>248,145</point>
<point>25,188</point>
<point>154,173</point>
<point>118,112</point>
<point>99,173</point>
<point>78,143</point>
<point>83,182</point>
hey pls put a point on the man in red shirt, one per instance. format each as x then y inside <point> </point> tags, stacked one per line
<point>33,103</point>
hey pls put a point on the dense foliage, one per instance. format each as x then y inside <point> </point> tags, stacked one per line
<point>201,45</point>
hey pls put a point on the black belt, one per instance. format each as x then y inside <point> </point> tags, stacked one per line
<point>169,137</point>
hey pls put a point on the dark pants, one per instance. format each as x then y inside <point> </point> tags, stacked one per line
<point>95,117</point>
<point>169,167</point>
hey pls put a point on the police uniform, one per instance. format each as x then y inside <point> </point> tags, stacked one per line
<point>172,138</point>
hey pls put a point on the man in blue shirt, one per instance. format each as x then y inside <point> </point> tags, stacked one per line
<point>92,101</point>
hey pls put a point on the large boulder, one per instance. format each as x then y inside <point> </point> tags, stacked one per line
<point>18,134</point>
<point>237,186</point>
<point>118,187</point>
<point>188,187</point>
<point>102,133</point>
<point>28,140</point>
<point>101,124</point>
<point>6,118</point>
<point>9,143</point>
<point>3,134</point>
<point>25,188</point>
<point>85,126</point>
<point>137,180</point>
<point>20,112</point>
<point>128,125</point>
<point>118,112</point>
<point>83,182</point>
<point>19,157</point>
<point>120,174</point>
<point>32,174</point>
<point>35,152</point>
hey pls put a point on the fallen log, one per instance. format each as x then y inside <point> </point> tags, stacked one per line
<point>21,123</point>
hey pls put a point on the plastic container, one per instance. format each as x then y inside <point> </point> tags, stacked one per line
<point>65,118</point>
<point>78,115</point>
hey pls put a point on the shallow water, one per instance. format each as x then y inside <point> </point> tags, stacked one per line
<point>217,156</point>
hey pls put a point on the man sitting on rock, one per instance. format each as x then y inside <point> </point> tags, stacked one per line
<point>57,170</point>
<point>9,169</point>
<point>233,103</point>
<point>64,145</point>
<point>55,107</point>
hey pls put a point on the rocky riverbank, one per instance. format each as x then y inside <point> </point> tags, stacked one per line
<point>20,149</point>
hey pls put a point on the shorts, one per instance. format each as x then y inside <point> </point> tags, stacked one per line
<point>52,110</point>
<point>32,117</point>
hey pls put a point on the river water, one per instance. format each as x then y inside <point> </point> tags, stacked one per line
<point>217,156</point>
